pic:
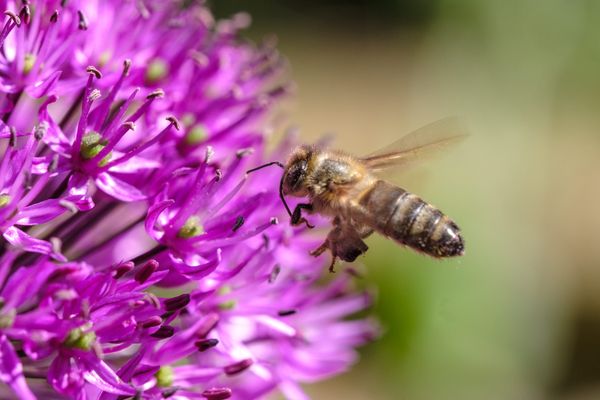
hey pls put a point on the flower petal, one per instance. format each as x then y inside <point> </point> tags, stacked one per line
<point>11,370</point>
<point>44,86</point>
<point>54,136</point>
<point>40,165</point>
<point>65,377</point>
<point>99,374</point>
<point>21,240</point>
<point>41,212</point>
<point>25,281</point>
<point>153,214</point>
<point>80,192</point>
<point>118,188</point>
<point>134,164</point>
<point>194,270</point>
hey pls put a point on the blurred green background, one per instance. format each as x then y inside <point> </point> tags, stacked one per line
<point>519,316</point>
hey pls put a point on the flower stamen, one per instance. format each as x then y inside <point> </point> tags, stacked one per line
<point>238,367</point>
<point>146,271</point>
<point>140,148</point>
<point>85,108</point>
<point>122,269</point>
<point>217,394</point>
<point>164,332</point>
<point>25,14</point>
<point>209,323</point>
<point>177,303</point>
<point>205,344</point>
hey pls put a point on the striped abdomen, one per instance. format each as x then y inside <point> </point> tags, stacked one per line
<point>406,218</point>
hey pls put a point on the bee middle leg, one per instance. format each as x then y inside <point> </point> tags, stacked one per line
<point>327,245</point>
<point>321,249</point>
<point>297,217</point>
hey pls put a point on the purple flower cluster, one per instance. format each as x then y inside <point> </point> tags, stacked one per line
<point>139,260</point>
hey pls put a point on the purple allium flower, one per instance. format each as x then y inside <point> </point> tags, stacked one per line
<point>139,260</point>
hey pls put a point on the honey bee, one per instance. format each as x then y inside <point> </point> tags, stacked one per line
<point>349,190</point>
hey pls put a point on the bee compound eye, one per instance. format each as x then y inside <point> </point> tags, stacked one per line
<point>295,175</point>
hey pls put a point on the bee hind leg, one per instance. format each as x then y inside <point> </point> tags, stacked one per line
<point>332,265</point>
<point>348,249</point>
<point>344,242</point>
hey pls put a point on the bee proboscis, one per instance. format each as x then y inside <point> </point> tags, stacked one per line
<point>348,189</point>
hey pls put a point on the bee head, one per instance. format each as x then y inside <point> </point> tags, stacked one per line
<point>294,177</point>
<point>293,180</point>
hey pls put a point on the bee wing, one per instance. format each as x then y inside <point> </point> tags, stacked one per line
<point>413,146</point>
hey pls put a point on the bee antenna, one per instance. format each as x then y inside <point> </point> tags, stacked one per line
<point>266,165</point>
<point>281,196</point>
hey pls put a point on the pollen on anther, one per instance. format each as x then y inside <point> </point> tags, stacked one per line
<point>158,93</point>
<point>129,125</point>
<point>83,25</point>
<point>94,71</point>
<point>174,122</point>
<point>285,313</point>
<point>13,16</point>
<point>126,67</point>
<point>274,273</point>
<point>238,223</point>
<point>94,95</point>
<point>40,131</point>
<point>244,152</point>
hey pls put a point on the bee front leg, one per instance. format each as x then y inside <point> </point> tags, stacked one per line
<point>297,217</point>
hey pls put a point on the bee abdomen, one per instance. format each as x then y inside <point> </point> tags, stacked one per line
<point>411,221</point>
